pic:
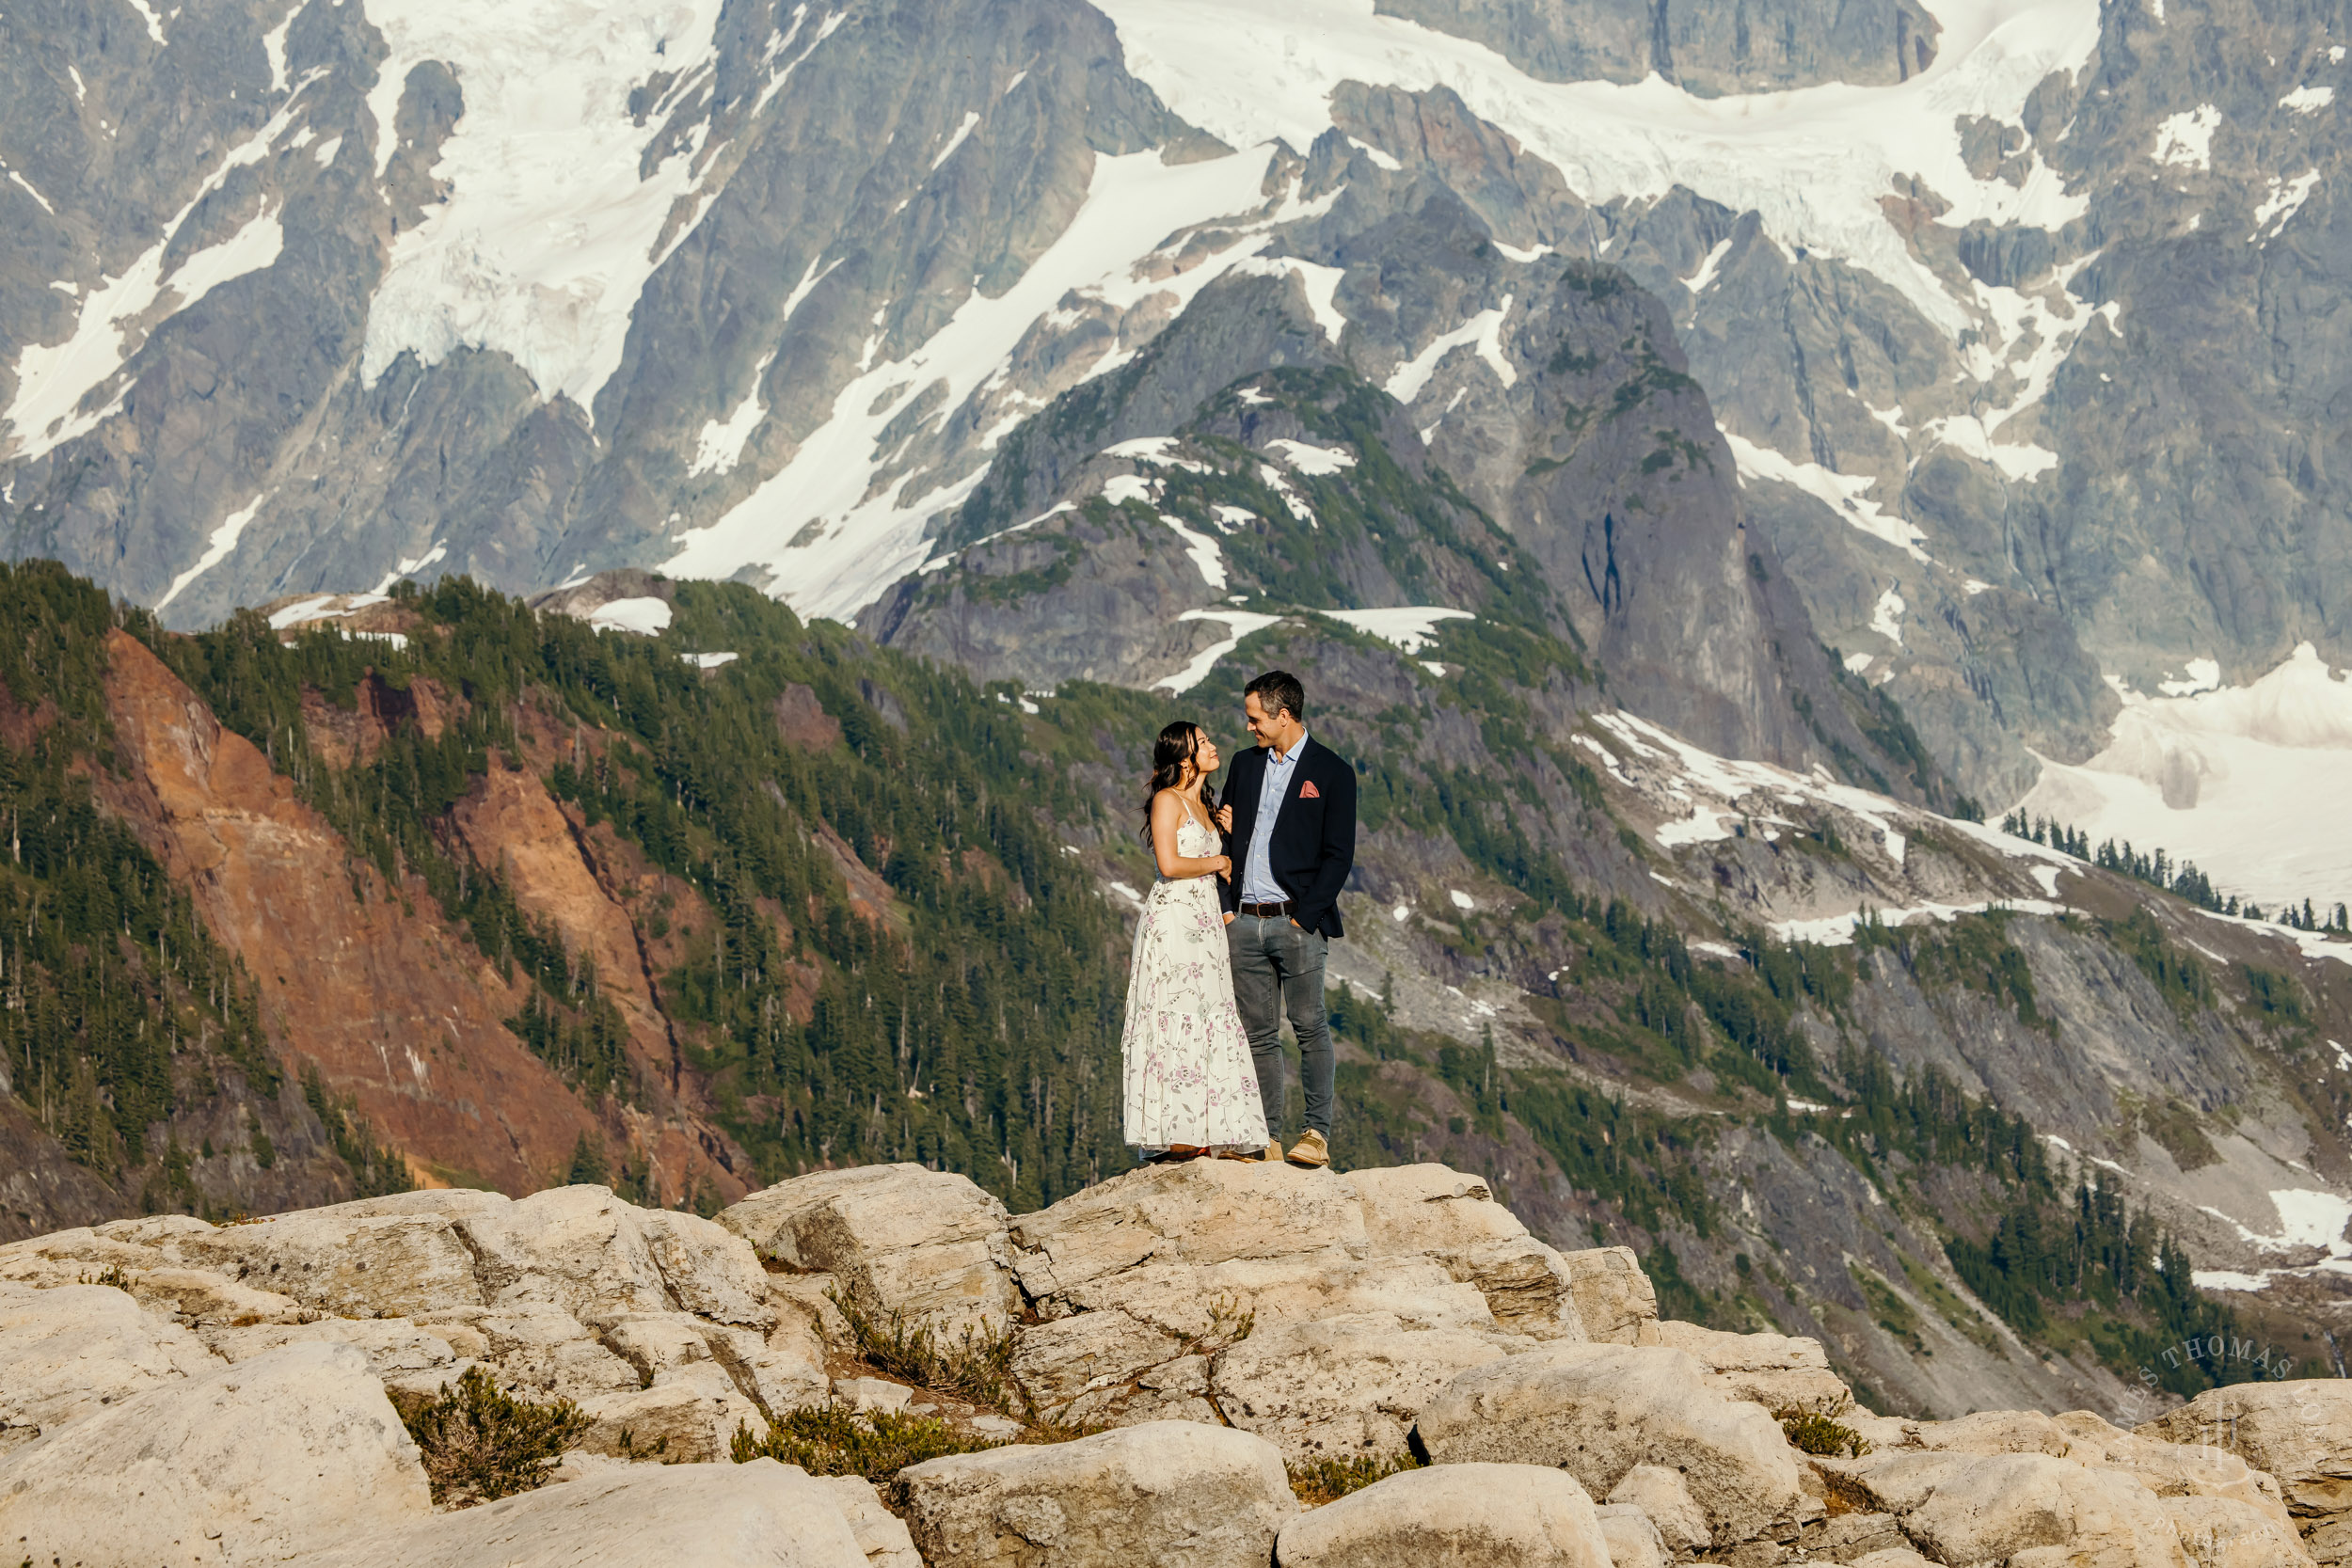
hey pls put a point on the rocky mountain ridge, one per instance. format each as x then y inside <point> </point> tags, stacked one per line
<point>1946,277</point>
<point>1225,1325</point>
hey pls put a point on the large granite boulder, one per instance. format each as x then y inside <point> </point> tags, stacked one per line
<point>2170,1470</point>
<point>1340,1387</point>
<point>1453,1516</point>
<point>2027,1509</point>
<point>1598,1410</point>
<point>1163,1495</point>
<point>400,1256</point>
<point>287,1452</point>
<point>1775,1369</point>
<point>927,1246</point>
<point>593,1255</point>
<point>1453,1219</point>
<point>762,1514</point>
<point>1138,1275</point>
<point>2299,1430</point>
<point>77,1350</point>
<point>1614,1299</point>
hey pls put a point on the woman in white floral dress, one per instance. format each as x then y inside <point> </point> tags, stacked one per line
<point>1191,1088</point>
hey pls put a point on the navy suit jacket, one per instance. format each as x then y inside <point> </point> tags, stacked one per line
<point>1313,846</point>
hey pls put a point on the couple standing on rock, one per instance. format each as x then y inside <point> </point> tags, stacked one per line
<point>1233,936</point>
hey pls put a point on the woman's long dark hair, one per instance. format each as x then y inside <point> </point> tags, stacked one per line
<point>1171,754</point>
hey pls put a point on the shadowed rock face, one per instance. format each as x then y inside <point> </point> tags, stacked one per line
<point>1708,50</point>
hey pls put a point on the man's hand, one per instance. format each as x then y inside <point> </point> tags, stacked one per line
<point>1294,922</point>
<point>1228,917</point>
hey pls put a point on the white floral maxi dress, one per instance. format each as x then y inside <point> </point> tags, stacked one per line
<point>1189,1077</point>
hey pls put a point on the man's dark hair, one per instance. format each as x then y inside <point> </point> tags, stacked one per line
<point>1278,690</point>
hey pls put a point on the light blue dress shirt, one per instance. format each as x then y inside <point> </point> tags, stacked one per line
<point>1258,885</point>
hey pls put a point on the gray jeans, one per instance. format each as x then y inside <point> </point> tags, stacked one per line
<point>1278,969</point>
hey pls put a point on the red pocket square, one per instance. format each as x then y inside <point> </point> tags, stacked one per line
<point>1308,792</point>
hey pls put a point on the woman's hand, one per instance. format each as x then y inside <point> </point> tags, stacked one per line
<point>1225,818</point>
<point>1224,864</point>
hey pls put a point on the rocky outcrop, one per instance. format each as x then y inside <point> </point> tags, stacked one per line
<point>1598,1411</point>
<point>1490,1515</point>
<point>266,1458</point>
<point>1164,1494</point>
<point>927,1246</point>
<point>762,1514</point>
<point>229,1384</point>
<point>1775,1369</point>
<point>77,1350</point>
<point>1975,1508</point>
<point>1344,1385</point>
<point>2297,1432</point>
<point>2070,1483</point>
<point>1140,1274</point>
<point>659,1324</point>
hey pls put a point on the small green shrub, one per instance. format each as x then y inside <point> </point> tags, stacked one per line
<point>832,1440</point>
<point>975,1368</point>
<point>482,1443</point>
<point>1818,1431</point>
<point>1327,1481</point>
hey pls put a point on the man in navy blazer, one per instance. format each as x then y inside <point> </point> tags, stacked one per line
<point>1292,842</point>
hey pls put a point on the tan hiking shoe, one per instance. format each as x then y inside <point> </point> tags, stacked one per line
<point>1311,1150</point>
<point>1274,1151</point>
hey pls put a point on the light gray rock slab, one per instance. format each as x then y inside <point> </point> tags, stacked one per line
<point>1158,1496</point>
<point>1776,1370</point>
<point>1633,1540</point>
<point>287,1452</point>
<point>1453,1516</point>
<point>1600,1410</point>
<point>761,1514</point>
<point>77,1350</point>
<point>1347,1386</point>
<point>353,1260</point>
<point>579,1248</point>
<point>1665,1498</point>
<point>881,1534</point>
<point>2299,1430</point>
<point>926,1245</point>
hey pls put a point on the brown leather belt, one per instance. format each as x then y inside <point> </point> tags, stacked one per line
<point>1267,911</point>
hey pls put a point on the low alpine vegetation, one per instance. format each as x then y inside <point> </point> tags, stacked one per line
<point>1815,1428</point>
<point>1327,1481</point>
<point>480,1443</point>
<point>832,1440</point>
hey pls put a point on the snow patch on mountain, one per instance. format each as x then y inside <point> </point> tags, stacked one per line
<point>1813,164</point>
<point>550,229</point>
<point>1841,493</point>
<point>55,379</point>
<point>1238,622</point>
<point>217,550</point>
<point>2226,778</point>
<point>1308,458</point>
<point>1482,331</point>
<point>2184,140</point>
<point>831,539</point>
<point>2284,198</point>
<point>1409,628</point>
